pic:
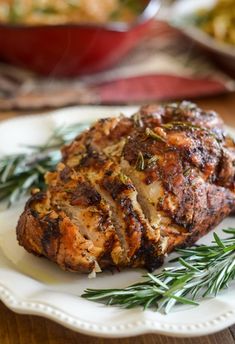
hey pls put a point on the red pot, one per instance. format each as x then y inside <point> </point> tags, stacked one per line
<point>72,49</point>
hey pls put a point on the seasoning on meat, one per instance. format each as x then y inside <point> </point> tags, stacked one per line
<point>130,190</point>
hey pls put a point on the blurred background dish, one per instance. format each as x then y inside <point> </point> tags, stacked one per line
<point>83,63</point>
<point>68,48</point>
<point>53,12</point>
<point>218,21</point>
<point>210,24</point>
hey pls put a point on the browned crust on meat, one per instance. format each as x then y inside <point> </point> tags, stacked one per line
<point>95,214</point>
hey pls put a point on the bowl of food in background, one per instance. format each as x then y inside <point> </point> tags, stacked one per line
<point>210,24</point>
<point>68,38</point>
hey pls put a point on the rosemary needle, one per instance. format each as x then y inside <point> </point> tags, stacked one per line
<point>200,271</point>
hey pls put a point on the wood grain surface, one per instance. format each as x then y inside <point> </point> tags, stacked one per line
<point>25,329</point>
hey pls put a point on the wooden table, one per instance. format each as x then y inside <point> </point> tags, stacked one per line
<point>24,329</point>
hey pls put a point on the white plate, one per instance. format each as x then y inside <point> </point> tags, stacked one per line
<point>32,285</point>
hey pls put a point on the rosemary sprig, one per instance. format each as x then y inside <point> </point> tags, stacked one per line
<point>21,172</point>
<point>153,135</point>
<point>137,120</point>
<point>200,271</point>
<point>179,124</point>
<point>124,179</point>
<point>187,172</point>
<point>140,163</point>
<point>152,161</point>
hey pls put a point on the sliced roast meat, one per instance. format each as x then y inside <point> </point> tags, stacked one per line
<point>130,190</point>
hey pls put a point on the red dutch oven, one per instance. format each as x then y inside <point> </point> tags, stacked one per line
<point>73,49</point>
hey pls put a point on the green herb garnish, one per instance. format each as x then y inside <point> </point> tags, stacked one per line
<point>124,179</point>
<point>178,124</point>
<point>153,135</point>
<point>137,120</point>
<point>152,161</point>
<point>21,172</point>
<point>200,271</point>
<point>140,164</point>
<point>187,172</point>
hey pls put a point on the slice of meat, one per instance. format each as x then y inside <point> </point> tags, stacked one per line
<point>72,192</point>
<point>45,232</point>
<point>137,236</point>
<point>71,201</point>
<point>176,180</point>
